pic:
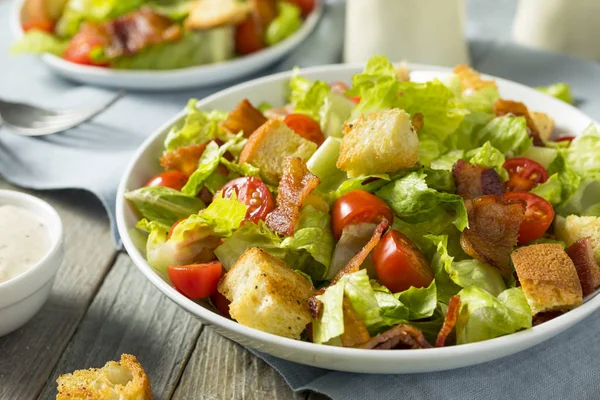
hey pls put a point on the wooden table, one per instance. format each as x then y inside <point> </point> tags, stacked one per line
<point>101,306</point>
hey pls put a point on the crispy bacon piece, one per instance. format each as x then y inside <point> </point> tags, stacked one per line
<point>296,183</point>
<point>355,331</point>
<point>449,321</point>
<point>493,230</point>
<point>582,254</point>
<point>399,337</point>
<point>353,265</point>
<point>244,117</point>
<point>506,107</point>
<point>184,159</point>
<point>475,180</point>
<point>470,80</point>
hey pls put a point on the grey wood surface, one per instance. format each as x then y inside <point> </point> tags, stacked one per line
<point>101,306</point>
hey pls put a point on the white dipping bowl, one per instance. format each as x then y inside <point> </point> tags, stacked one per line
<point>22,296</point>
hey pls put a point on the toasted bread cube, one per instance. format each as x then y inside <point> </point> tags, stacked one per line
<point>573,228</point>
<point>208,14</point>
<point>380,142</point>
<point>123,380</point>
<point>548,277</point>
<point>269,146</point>
<point>544,124</point>
<point>266,294</point>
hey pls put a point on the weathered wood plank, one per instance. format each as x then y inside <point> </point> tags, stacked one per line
<point>221,369</point>
<point>28,355</point>
<point>129,315</point>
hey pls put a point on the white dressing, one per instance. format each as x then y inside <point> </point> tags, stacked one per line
<point>24,241</point>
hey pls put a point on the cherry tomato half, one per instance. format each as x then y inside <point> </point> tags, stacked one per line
<point>538,216</point>
<point>524,174</point>
<point>400,264</point>
<point>306,127</point>
<point>83,43</point>
<point>221,303</point>
<point>196,281</point>
<point>173,179</point>
<point>248,37</point>
<point>356,207</point>
<point>305,5</point>
<point>254,194</point>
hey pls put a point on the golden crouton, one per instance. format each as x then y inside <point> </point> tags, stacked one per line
<point>208,14</point>
<point>544,124</point>
<point>266,294</point>
<point>122,380</point>
<point>269,146</point>
<point>573,228</point>
<point>548,277</point>
<point>470,80</point>
<point>380,142</point>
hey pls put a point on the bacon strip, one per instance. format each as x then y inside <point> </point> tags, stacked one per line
<point>399,337</point>
<point>244,117</point>
<point>355,331</point>
<point>295,185</point>
<point>582,254</point>
<point>449,321</point>
<point>184,159</point>
<point>509,107</point>
<point>475,180</point>
<point>493,230</point>
<point>353,265</point>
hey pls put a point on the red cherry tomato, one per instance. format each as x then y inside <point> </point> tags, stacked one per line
<point>306,127</point>
<point>196,281</point>
<point>305,5</point>
<point>524,174</point>
<point>221,303</point>
<point>538,216</point>
<point>248,37</point>
<point>565,138</point>
<point>89,38</point>
<point>254,194</point>
<point>173,179</point>
<point>400,264</point>
<point>356,207</point>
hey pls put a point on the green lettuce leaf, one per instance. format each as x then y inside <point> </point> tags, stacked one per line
<point>206,167</point>
<point>157,236</point>
<point>489,157</point>
<point>412,200</point>
<point>465,137</point>
<point>421,302</point>
<point>483,316</point>
<point>467,273</point>
<point>331,324</point>
<point>38,42</point>
<point>440,263</point>
<point>583,155</point>
<point>285,24</point>
<point>358,290</point>
<point>198,127</point>
<point>551,190</point>
<point>237,170</point>
<point>482,100</point>
<point>507,134</point>
<point>562,184</point>
<point>323,164</point>
<point>313,100</point>
<point>335,111</point>
<point>542,155</point>
<point>585,201</point>
<point>447,161</point>
<point>368,183</point>
<point>561,91</point>
<point>430,149</point>
<point>164,205</point>
<point>377,86</point>
<point>298,86</point>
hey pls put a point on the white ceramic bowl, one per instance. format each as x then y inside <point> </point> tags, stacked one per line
<point>22,296</point>
<point>271,89</point>
<point>185,78</point>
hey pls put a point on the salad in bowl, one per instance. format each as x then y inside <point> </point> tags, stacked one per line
<point>384,214</point>
<point>156,34</point>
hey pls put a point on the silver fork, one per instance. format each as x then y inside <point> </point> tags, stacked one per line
<point>28,120</point>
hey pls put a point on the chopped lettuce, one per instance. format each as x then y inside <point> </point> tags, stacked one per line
<point>583,155</point>
<point>421,302</point>
<point>561,91</point>
<point>430,148</point>
<point>331,323</point>
<point>447,161</point>
<point>585,200</point>
<point>335,111</point>
<point>298,86</point>
<point>164,205</point>
<point>377,86</point>
<point>542,155</point>
<point>358,290</point>
<point>237,170</point>
<point>466,135</point>
<point>38,42</point>
<point>313,100</point>
<point>483,316</point>
<point>482,100</point>
<point>323,164</point>
<point>489,157</point>
<point>440,180</point>
<point>467,273</point>
<point>368,183</point>
<point>157,236</point>
<point>285,24</point>
<point>507,134</point>
<point>412,200</point>
<point>78,11</point>
<point>198,127</point>
<point>562,184</point>
<point>441,262</point>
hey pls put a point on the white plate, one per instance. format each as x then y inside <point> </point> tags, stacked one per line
<point>185,78</point>
<point>270,89</point>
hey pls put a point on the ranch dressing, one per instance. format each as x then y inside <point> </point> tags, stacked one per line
<point>24,241</point>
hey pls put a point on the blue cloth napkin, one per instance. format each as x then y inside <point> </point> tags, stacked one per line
<point>93,157</point>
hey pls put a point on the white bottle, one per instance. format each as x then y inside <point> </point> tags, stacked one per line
<point>418,31</point>
<point>568,26</point>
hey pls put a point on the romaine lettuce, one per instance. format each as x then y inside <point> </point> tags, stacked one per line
<point>331,324</point>
<point>562,184</point>
<point>441,262</point>
<point>313,100</point>
<point>447,161</point>
<point>489,157</point>
<point>38,42</point>
<point>377,86</point>
<point>561,91</point>
<point>467,273</point>
<point>507,134</point>
<point>78,11</point>
<point>323,164</point>
<point>164,205</point>
<point>285,24</point>
<point>583,155</point>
